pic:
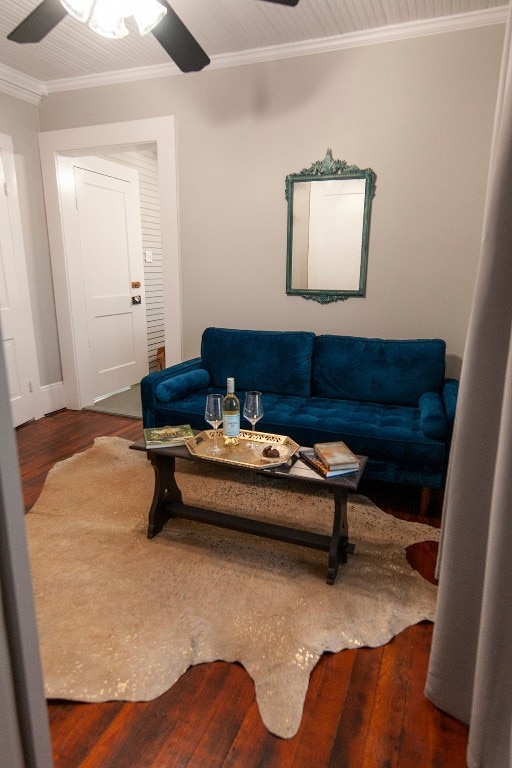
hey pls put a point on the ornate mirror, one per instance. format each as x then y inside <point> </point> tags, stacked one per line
<point>329,208</point>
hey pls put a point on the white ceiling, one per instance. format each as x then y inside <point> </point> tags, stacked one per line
<point>231,32</point>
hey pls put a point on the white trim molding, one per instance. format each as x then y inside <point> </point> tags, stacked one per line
<point>21,86</point>
<point>387,34</point>
<point>54,397</point>
<point>30,89</point>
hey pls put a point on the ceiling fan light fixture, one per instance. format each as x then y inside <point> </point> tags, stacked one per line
<point>79,9</point>
<point>147,14</point>
<point>107,19</point>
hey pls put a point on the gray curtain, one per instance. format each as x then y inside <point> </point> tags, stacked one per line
<point>24,728</point>
<point>470,671</point>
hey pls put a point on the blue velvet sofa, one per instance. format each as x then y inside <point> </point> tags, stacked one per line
<point>387,399</point>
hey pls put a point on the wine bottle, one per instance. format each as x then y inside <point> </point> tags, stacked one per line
<point>231,414</point>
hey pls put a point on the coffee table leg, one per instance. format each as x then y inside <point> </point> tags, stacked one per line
<point>340,545</point>
<point>166,492</point>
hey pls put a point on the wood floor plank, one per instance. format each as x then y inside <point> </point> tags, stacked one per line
<point>206,732</point>
<point>81,726</point>
<point>328,690</point>
<point>255,747</point>
<point>418,740</point>
<point>113,750</point>
<point>156,727</point>
<point>428,736</point>
<point>364,708</point>
<point>385,731</point>
<point>354,725</point>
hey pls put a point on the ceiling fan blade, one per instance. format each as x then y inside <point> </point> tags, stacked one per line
<point>37,24</point>
<point>284,2</point>
<point>179,43</point>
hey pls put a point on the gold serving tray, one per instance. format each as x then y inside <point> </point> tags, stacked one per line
<point>243,455</point>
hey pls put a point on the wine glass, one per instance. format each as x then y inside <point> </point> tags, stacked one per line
<point>253,410</point>
<point>213,415</point>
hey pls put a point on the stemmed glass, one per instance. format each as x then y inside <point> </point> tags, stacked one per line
<point>253,410</point>
<point>213,415</point>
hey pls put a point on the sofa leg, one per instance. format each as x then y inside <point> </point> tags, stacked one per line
<point>425,501</point>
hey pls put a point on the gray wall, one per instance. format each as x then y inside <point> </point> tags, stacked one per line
<point>20,120</point>
<point>418,111</point>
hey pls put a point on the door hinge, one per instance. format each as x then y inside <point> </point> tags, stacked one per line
<point>30,386</point>
<point>5,189</point>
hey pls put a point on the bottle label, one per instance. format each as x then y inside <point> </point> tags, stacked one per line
<point>231,425</point>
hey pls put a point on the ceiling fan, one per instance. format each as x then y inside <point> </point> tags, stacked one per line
<point>171,32</point>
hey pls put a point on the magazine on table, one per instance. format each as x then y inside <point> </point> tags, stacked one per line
<point>166,437</point>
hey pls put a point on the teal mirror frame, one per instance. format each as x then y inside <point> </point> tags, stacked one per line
<point>329,169</point>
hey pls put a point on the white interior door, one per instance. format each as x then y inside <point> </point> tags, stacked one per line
<point>111,245</point>
<point>17,327</point>
<point>103,246</point>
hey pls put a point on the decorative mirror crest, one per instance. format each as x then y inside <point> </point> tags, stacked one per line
<point>329,207</point>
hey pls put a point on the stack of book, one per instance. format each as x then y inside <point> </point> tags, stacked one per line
<point>166,437</point>
<point>330,459</point>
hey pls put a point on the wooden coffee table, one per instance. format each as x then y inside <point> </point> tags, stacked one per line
<point>167,503</point>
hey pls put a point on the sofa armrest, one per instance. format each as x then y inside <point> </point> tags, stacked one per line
<point>450,393</point>
<point>433,421</point>
<point>150,382</point>
<point>176,387</point>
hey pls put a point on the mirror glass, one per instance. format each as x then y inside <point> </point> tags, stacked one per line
<point>328,230</point>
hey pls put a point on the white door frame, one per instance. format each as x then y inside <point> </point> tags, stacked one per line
<point>75,264</point>
<point>29,401</point>
<point>95,139</point>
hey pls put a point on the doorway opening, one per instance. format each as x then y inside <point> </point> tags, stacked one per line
<point>124,143</point>
<point>144,160</point>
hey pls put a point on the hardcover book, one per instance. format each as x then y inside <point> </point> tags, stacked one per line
<point>310,458</point>
<point>165,437</point>
<point>336,455</point>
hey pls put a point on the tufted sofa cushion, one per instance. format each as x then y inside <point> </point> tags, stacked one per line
<point>270,361</point>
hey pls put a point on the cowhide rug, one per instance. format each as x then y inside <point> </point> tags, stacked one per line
<point>122,617</point>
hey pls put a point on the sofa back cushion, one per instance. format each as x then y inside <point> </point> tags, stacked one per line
<point>395,372</point>
<point>269,361</point>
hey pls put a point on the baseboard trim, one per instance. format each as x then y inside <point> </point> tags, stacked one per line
<point>53,397</point>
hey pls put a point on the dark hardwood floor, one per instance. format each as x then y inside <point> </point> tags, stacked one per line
<point>364,708</point>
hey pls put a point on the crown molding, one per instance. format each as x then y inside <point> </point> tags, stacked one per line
<point>114,78</point>
<point>30,89</point>
<point>390,33</point>
<point>21,86</point>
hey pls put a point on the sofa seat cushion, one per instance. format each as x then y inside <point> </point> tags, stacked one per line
<point>389,371</point>
<point>269,361</point>
<point>368,428</point>
<point>377,431</point>
<point>390,436</point>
